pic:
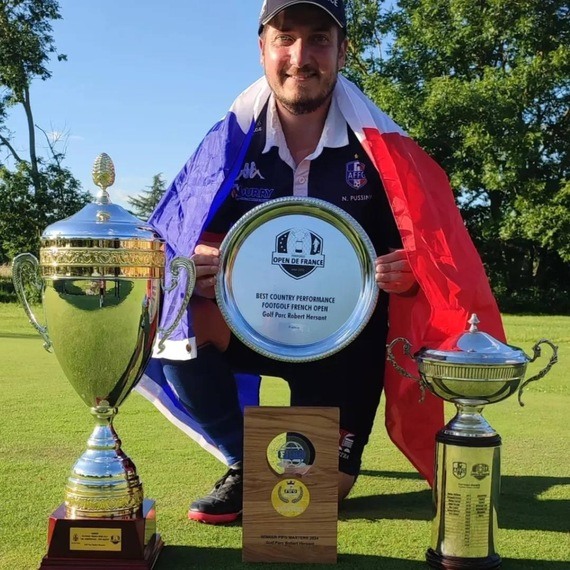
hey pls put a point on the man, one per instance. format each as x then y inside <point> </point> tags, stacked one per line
<point>302,139</point>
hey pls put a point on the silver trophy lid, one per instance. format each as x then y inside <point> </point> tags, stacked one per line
<point>476,347</point>
<point>101,219</point>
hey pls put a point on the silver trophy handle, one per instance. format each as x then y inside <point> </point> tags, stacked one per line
<point>407,351</point>
<point>536,353</point>
<point>25,269</point>
<point>175,265</point>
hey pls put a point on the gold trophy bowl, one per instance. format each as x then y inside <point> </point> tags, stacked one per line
<point>477,370</point>
<point>100,273</point>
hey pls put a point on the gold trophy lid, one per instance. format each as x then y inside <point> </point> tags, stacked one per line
<point>474,347</point>
<point>101,219</point>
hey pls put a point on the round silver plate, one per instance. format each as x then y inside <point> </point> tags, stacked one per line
<point>296,280</point>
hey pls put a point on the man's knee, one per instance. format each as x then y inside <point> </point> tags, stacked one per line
<point>345,484</point>
<point>208,323</point>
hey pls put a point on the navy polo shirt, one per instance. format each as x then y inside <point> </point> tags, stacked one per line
<point>338,171</point>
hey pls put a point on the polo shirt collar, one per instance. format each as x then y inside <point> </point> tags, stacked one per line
<point>334,135</point>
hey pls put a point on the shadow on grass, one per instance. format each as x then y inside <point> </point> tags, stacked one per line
<point>408,505</point>
<point>185,557</point>
<point>520,507</point>
<point>400,506</point>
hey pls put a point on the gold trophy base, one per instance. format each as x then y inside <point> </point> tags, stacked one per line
<point>93,544</point>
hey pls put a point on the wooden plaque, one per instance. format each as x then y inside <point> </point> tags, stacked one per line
<point>290,502</point>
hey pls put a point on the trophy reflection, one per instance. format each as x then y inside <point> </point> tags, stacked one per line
<point>477,371</point>
<point>100,274</point>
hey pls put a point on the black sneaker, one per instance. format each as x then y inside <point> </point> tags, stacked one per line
<point>224,502</point>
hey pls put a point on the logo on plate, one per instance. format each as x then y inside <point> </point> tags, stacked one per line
<point>298,251</point>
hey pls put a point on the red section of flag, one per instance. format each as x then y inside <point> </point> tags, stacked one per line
<point>452,280</point>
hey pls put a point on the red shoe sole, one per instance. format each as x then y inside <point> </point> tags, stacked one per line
<point>212,519</point>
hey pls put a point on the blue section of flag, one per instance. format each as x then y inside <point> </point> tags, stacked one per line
<point>190,201</point>
<point>154,386</point>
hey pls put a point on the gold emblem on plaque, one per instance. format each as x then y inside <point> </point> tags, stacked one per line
<point>290,498</point>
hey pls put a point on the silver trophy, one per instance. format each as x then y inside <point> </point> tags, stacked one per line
<point>100,275</point>
<point>476,371</point>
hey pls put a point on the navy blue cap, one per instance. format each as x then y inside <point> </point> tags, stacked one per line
<point>335,9</point>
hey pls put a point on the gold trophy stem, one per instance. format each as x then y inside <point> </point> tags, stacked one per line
<point>103,482</point>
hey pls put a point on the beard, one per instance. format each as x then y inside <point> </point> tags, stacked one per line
<point>305,99</point>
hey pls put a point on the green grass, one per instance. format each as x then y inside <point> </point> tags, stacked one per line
<point>385,523</point>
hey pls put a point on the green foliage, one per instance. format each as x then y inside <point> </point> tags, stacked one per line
<point>144,204</point>
<point>35,191</point>
<point>20,225</point>
<point>24,214</point>
<point>26,43</point>
<point>485,89</point>
<point>7,292</point>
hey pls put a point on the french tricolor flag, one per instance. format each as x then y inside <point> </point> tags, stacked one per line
<point>452,280</point>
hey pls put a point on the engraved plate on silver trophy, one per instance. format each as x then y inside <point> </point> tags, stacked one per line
<point>296,280</point>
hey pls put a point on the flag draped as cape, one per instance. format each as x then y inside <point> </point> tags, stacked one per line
<point>452,280</point>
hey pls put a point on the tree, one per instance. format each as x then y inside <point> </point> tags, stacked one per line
<point>144,204</point>
<point>37,190</point>
<point>485,88</point>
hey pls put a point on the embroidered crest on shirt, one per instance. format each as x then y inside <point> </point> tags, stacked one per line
<point>355,175</point>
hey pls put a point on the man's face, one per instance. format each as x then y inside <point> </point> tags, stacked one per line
<point>301,53</point>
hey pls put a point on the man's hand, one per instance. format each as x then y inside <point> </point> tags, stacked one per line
<point>207,261</point>
<point>394,274</point>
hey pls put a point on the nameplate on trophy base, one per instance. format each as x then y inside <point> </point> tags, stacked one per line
<point>296,280</point>
<point>290,499</point>
<point>130,543</point>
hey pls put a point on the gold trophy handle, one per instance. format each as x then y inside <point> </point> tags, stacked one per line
<point>407,351</point>
<point>536,353</point>
<point>25,269</point>
<point>175,265</point>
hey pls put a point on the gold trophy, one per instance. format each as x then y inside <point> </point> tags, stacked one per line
<point>476,371</point>
<point>100,273</point>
